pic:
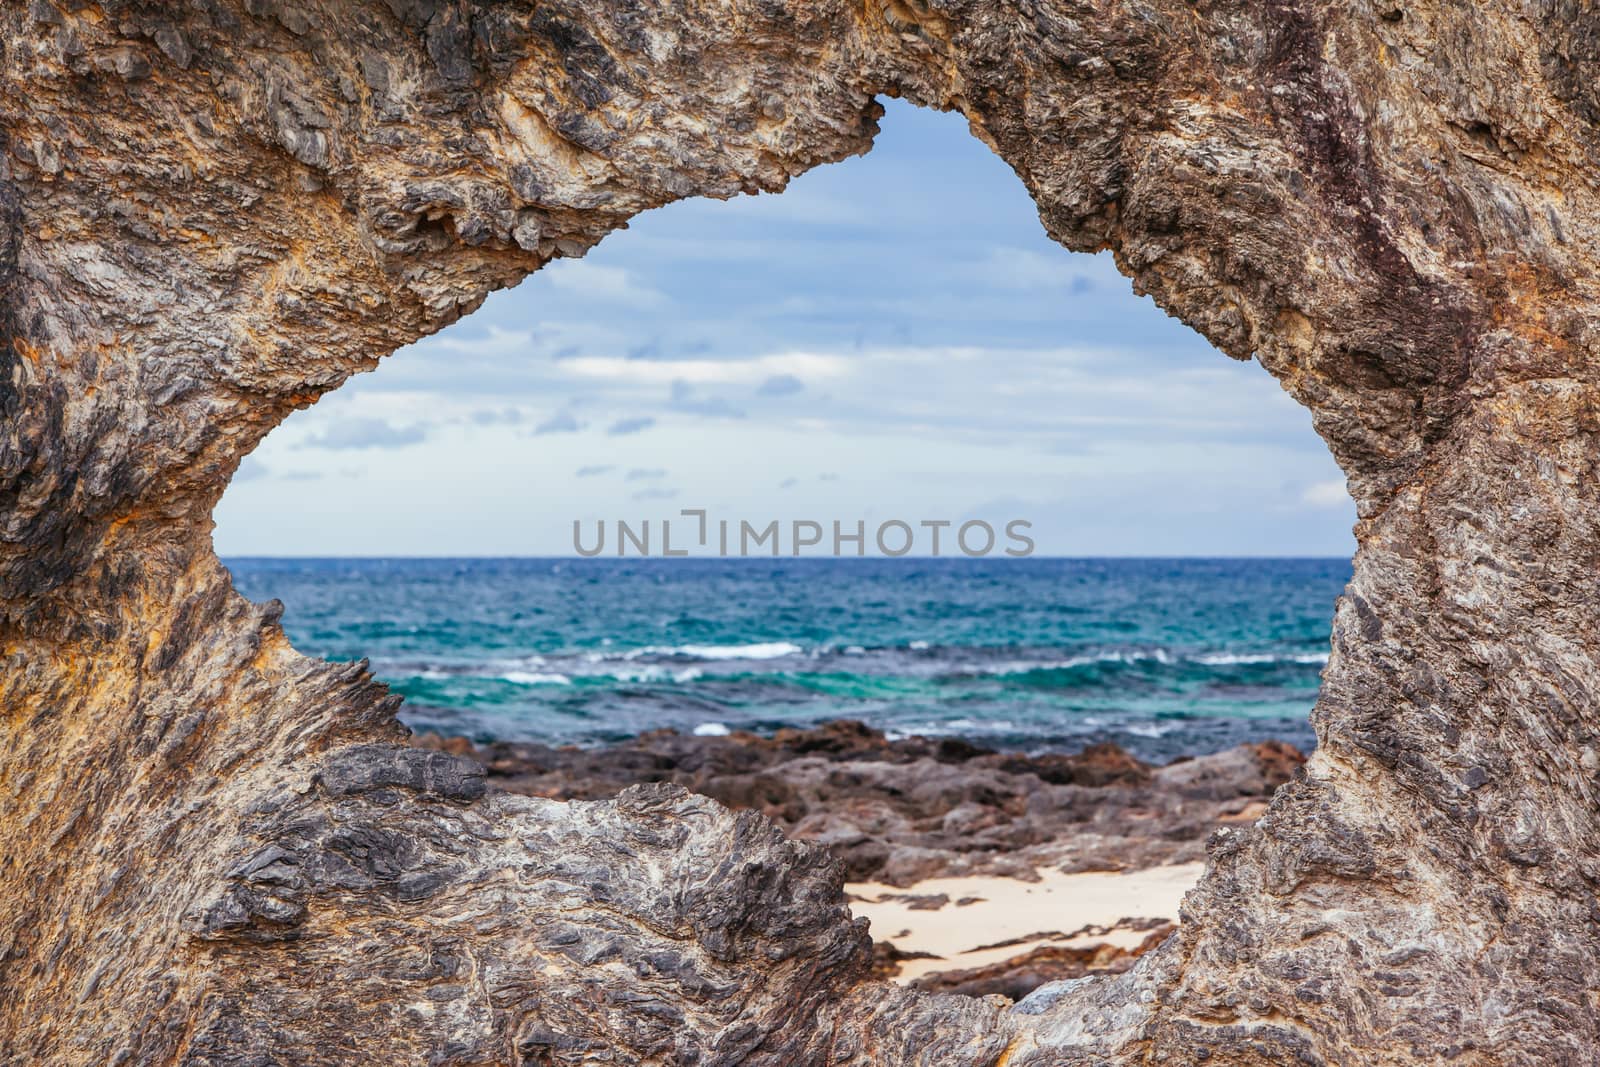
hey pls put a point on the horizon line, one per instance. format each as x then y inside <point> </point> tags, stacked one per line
<point>781,558</point>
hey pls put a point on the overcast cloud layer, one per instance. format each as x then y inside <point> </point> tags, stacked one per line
<point>893,337</point>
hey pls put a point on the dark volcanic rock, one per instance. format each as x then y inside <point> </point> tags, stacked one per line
<point>1097,765</point>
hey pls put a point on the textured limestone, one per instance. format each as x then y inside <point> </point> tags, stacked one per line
<point>211,850</point>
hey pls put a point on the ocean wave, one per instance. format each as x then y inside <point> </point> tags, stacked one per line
<point>756,650</point>
<point>1230,659</point>
<point>1150,731</point>
<point>651,673</point>
<point>962,727</point>
<point>1016,667</point>
<point>528,672</point>
<point>1159,656</point>
<point>689,663</point>
<point>535,678</point>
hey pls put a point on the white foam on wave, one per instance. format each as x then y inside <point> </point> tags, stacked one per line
<point>535,669</point>
<point>1024,667</point>
<point>755,650</point>
<point>511,671</point>
<point>711,729</point>
<point>535,678</point>
<point>974,726</point>
<point>532,659</point>
<point>758,650</point>
<point>1159,655</point>
<point>1228,659</point>
<point>652,673</point>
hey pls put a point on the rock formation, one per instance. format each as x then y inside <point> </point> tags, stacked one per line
<point>214,850</point>
<point>902,811</point>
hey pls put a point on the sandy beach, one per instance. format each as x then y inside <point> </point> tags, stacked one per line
<point>985,921</point>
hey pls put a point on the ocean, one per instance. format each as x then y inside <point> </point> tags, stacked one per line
<point>1166,657</point>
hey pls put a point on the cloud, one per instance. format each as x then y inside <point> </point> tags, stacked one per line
<point>781,385</point>
<point>596,470</point>
<point>1020,268</point>
<point>503,417</point>
<point>1325,495</point>
<point>708,371</point>
<point>562,422</point>
<point>640,474</point>
<point>303,476</point>
<point>683,399</point>
<point>827,477</point>
<point>788,483</point>
<point>595,281</point>
<point>495,340</point>
<point>635,424</point>
<point>251,470</point>
<point>366,433</point>
<point>1070,447</point>
<point>655,494</point>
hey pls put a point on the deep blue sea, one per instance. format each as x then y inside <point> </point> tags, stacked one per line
<point>1166,657</point>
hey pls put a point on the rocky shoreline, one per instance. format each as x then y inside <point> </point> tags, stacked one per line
<point>901,812</point>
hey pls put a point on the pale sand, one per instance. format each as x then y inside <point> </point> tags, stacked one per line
<point>1011,909</point>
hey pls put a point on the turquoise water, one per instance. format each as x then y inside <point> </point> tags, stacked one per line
<point>1167,657</point>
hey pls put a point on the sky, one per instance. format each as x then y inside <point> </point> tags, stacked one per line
<point>892,338</point>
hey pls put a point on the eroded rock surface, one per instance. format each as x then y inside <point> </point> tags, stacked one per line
<point>916,808</point>
<point>212,849</point>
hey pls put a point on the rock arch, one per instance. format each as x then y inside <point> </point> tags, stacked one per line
<point>215,850</point>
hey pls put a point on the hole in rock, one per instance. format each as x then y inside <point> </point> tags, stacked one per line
<point>893,339</point>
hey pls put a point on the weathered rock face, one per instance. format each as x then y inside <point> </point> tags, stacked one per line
<point>212,849</point>
<point>907,810</point>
